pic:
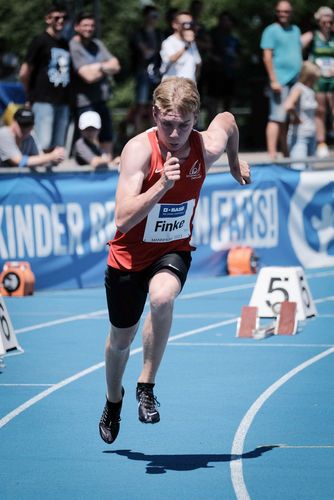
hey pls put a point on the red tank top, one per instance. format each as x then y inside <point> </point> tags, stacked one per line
<point>168,225</point>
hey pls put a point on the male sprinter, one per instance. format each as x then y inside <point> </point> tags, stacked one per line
<point>161,175</point>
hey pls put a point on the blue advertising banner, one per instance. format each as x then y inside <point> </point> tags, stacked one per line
<point>61,222</point>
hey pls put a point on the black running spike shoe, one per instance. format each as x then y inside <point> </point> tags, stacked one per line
<point>110,420</point>
<point>147,404</point>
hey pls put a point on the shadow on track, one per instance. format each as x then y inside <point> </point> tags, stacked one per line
<point>160,464</point>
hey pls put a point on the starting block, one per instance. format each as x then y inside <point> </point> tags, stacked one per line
<point>287,319</point>
<point>275,285</point>
<point>285,324</point>
<point>17,279</point>
<point>248,322</point>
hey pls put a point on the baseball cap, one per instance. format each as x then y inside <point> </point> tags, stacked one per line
<point>24,117</point>
<point>89,119</point>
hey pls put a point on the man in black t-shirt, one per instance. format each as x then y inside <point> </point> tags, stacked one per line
<point>45,74</point>
<point>145,45</point>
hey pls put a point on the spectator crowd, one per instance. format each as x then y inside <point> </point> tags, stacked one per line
<point>299,93</point>
<point>66,82</point>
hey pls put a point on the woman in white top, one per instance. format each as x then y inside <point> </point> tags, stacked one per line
<point>302,105</point>
<point>320,45</point>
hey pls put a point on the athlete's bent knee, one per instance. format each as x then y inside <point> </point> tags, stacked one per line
<point>120,339</point>
<point>162,300</point>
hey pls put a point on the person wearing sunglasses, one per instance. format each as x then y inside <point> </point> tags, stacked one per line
<point>320,45</point>
<point>45,74</point>
<point>282,58</point>
<point>179,52</point>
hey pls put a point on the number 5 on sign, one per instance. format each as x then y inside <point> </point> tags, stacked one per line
<point>7,333</point>
<point>275,285</point>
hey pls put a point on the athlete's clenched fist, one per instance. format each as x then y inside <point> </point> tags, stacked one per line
<point>171,169</point>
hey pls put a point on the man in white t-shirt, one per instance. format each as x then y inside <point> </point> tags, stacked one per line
<point>179,53</point>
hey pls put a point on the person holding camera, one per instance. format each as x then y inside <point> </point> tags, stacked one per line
<point>179,53</point>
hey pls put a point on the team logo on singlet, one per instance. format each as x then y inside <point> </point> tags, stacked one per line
<point>195,171</point>
<point>168,210</point>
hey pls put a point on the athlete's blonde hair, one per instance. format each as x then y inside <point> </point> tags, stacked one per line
<point>309,70</point>
<point>176,93</point>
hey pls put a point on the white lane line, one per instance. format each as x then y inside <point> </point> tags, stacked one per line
<point>202,329</point>
<point>203,315</point>
<point>100,312</point>
<point>240,436</point>
<point>83,373</point>
<point>61,321</point>
<point>26,385</point>
<point>230,344</point>
<point>324,299</point>
<point>215,291</point>
<point>242,287</point>
<point>323,274</point>
<point>104,311</point>
<point>305,447</point>
<point>30,402</point>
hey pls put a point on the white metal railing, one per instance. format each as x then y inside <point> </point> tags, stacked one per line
<point>69,166</point>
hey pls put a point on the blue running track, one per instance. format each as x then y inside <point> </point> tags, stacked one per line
<point>240,418</point>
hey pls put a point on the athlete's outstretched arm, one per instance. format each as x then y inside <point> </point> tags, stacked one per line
<point>223,134</point>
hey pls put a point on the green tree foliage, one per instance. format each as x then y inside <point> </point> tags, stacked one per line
<point>22,19</point>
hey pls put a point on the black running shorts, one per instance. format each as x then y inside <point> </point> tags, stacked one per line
<point>127,290</point>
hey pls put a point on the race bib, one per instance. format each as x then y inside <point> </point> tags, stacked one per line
<point>169,222</point>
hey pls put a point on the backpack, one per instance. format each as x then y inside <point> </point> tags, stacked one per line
<point>153,65</point>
